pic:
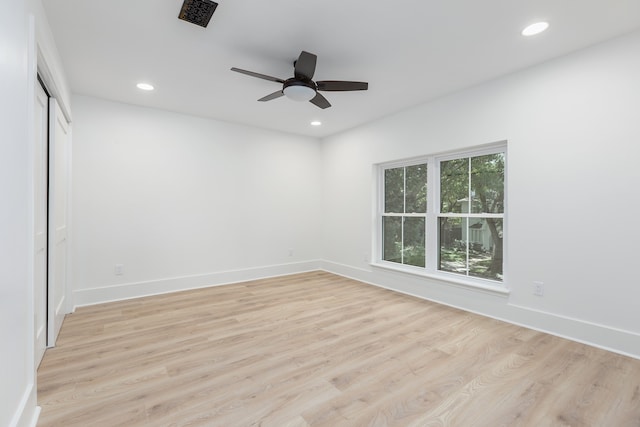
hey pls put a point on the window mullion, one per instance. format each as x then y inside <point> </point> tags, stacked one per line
<point>404,212</point>
<point>469,210</point>
<point>477,215</point>
<point>467,266</point>
<point>402,240</point>
<point>433,208</point>
<point>404,190</point>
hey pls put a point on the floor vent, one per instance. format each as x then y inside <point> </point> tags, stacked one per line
<point>198,12</point>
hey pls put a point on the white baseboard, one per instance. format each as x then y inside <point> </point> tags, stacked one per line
<point>495,306</point>
<point>27,413</point>
<point>476,301</point>
<point>102,294</point>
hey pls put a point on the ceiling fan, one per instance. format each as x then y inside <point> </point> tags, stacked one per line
<point>301,87</point>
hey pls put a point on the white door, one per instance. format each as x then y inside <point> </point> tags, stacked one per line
<point>58,216</point>
<point>40,219</point>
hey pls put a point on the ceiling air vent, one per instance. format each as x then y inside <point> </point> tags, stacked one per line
<point>198,12</point>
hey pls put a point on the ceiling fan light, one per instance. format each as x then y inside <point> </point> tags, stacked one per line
<point>299,92</point>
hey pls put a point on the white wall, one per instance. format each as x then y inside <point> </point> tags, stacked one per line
<point>184,202</point>
<point>16,360</point>
<point>573,132</point>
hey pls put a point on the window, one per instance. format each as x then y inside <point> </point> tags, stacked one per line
<point>405,212</point>
<point>470,219</point>
<point>445,214</point>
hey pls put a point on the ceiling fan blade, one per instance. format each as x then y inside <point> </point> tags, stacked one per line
<point>271,96</point>
<point>305,66</point>
<point>258,75</point>
<point>341,85</point>
<point>320,101</point>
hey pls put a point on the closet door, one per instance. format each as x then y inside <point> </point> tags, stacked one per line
<point>59,146</point>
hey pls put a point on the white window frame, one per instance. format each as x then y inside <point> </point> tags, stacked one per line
<point>381,212</point>
<point>432,218</point>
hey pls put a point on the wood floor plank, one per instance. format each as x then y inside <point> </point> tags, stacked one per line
<point>316,349</point>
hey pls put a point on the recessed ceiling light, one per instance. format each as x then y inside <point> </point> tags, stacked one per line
<point>316,123</point>
<point>144,86</point>
<point>536,28</point>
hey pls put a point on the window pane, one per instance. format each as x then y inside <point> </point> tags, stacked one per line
<point>454,186</point>
<point>394,190</point>
<point>392,238</point>
<point>453,247</point>
<point>414,233</point>
<point>416,189</point>
<point>485,248</point>
<point>487,183</point>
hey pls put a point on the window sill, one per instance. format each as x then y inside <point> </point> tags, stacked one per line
<point>449,278</point>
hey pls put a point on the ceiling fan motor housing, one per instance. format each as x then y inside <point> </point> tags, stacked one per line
<point>299,90</point>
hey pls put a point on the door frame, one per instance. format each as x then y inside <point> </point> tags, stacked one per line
<point>41,70</point>
<point>41,219</point>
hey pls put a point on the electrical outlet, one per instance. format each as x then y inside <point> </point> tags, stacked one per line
<point>538,288</point>
<point>118,269</point>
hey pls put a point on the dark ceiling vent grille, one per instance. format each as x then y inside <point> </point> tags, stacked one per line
<point>198,12</point>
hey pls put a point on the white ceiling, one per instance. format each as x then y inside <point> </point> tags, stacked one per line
<point>410,51</point>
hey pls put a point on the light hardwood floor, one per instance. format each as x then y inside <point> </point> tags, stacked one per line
<point>316,349</point>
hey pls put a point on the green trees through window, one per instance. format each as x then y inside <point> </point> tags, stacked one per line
<point>404,220</point>
<point>466,228</point>
<point>471,216</point>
